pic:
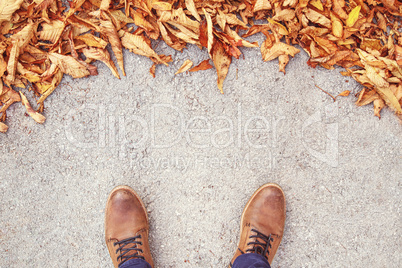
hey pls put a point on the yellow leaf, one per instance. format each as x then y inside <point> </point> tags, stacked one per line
<point>282,29</point>
<point>69,65</point>
<point>186,66</point>
<point>35,115</point>
<point>317,4</point>
<point>7,9</point>
<point>353,16</point>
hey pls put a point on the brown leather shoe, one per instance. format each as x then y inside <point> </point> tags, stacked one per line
<point>126,227</point>
<point>262,223</point>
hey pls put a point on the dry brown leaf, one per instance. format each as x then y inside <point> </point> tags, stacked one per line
<point>92,40</point>
<point>140,21</point>
<point>39,118</point>
<point>76,4</point>
<point>161,5</point>
<point>51,31</point>
<point>191,7</point>
<point>69,65</point>
<point>283,61</point>
<point>110,32</point>
<point>337,26</point>
<point>104,5</point>
<point>185,66</point>
<point>121,17</point>
<point>285,15</point>
<point>53,85</point>
<point>3,127</point>
<point>7,9</point>
<point>222,61</point>
<point>137,44</point>
<point>279,49</point>
<point>210,34</point>
<point>378,105</point>
<point>12,63</point>
<point>102,55</point>
<point>317,17</point>
<point>27,74</point>
<point>8,97</point>
<point>24,36</point>
<point>382,87</point>
<point>3,67</point>
<point>366,97</point>
<point>261,5</point>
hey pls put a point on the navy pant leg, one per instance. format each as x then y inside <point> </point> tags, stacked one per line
<point>251,260</point>
<point>135,263</point>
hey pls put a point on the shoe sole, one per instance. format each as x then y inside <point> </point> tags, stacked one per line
<point>131,190</point>
<point>252,197</point>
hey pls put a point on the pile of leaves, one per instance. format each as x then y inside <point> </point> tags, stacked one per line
<point>41,40</point>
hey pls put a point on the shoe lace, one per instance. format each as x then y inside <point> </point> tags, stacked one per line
<point>261,244</point>
<point>124,249</point>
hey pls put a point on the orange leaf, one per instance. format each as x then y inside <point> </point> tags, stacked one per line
<point>204,65</point>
